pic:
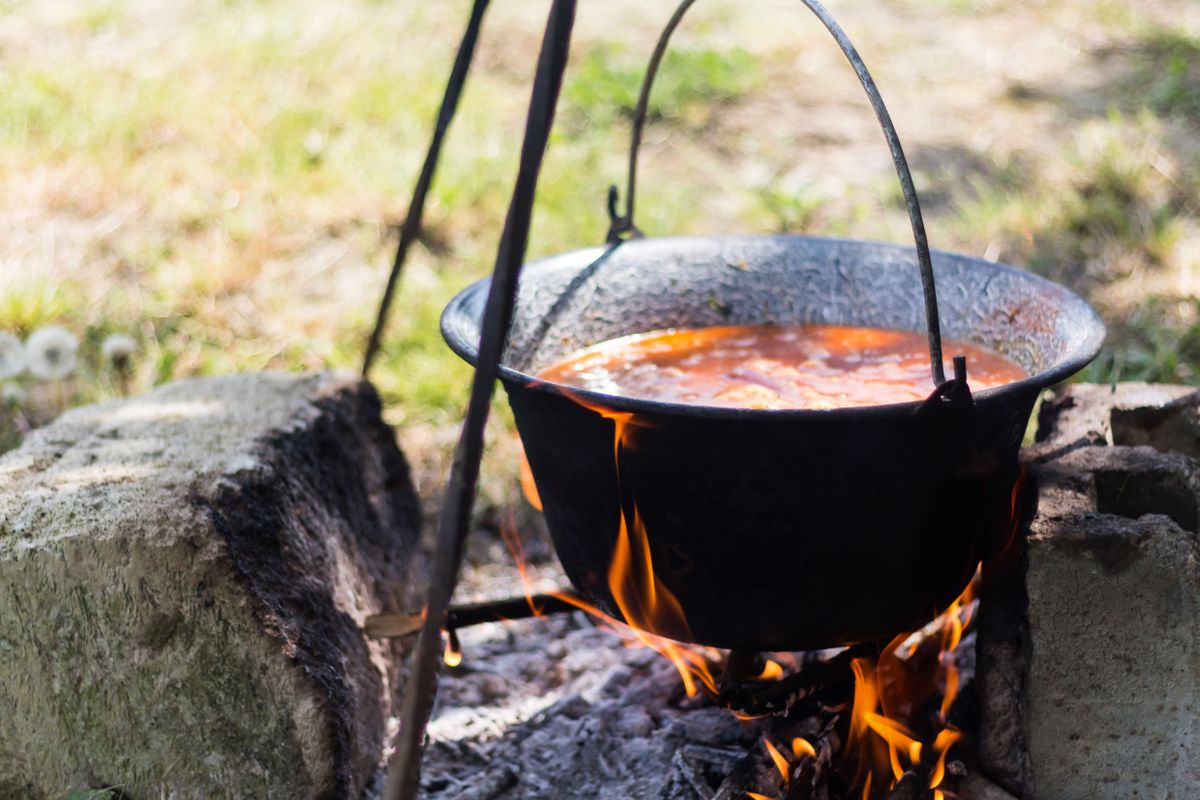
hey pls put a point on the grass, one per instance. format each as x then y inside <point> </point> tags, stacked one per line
<point>691,87</point>
<point>1170,73</point>
<point>1158,339</point>
<point>223,180</point>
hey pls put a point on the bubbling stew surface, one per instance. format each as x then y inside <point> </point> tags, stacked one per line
<point>773,366</point>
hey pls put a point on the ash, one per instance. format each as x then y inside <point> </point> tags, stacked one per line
<point>557,708</point>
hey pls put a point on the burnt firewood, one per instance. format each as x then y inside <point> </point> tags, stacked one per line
<point>911,785</point>
<point>741,666</point>
<point>776,698</point>
<point>806,783</point>
<point>697,765</point>
<point>755,773</point>
<point>804,778</point>
<point>810,778</point>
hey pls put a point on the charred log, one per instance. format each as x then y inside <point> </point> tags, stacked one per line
<point>773,698</point>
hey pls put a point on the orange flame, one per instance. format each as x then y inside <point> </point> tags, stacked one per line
<point>890,691</point>
<point>941,745</point>
<point>452,655</point>
<point>802,748</point>
<point>645,602</point>
<point>512,540</point>
<point>651,611</point>
<point>528,485</point>
<point>771,671</point>
<point>955,620</point>
<point>632,637</point>
<point>781,763</point>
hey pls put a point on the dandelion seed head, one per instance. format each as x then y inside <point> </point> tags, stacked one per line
<point>50,352</point>
<point>117,349</point>
<point>12,356</point>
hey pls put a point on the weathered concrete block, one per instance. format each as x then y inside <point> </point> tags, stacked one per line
<point>1115,638</point>
<point>1171,427</point>
<point>1085,411</point>
<point>184,576</point>
<point>1109,590</point>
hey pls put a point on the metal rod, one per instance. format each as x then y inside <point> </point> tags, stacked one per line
<point>626,224</point>
<point>464,470</point>
<point>416,207</point>
<point>395,626</point>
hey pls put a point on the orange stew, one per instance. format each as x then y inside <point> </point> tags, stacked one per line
<point>773,366</point>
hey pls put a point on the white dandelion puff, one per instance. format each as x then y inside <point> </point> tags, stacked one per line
<point>50,352</point>
<point>12,356</point>
<point>118,349</point>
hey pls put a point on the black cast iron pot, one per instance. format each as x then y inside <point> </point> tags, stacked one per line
<point>789,529</point>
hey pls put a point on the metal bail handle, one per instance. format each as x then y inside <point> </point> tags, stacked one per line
<point>624,225</point>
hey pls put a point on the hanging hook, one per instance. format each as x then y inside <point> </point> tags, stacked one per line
<point>619,225</point>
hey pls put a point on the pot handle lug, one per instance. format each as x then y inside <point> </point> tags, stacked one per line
<point>622,225</point>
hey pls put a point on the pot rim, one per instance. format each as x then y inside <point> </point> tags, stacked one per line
<point>1080,355</point>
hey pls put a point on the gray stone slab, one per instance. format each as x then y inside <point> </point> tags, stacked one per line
<point>1112,691</point>
<point>184,575</point>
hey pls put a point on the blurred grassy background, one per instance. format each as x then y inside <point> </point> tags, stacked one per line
<point>223,179</point>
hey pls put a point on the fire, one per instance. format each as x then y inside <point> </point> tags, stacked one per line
<point>649,608</point>
<point>512,540</point>
<point>771,671</point>
<point>890,693</point>
<point>781,763</point>
<point>802,747</point>
<point>452,655</point>
<point>651,611</point>
<point>894,729</point>
<point>528,486</point>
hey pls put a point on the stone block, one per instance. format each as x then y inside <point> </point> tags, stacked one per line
<point>1085,411</point>
<point>1093,689</point>
<point>184,578</point>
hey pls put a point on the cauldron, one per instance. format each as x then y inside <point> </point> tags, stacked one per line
<point>779,529</point>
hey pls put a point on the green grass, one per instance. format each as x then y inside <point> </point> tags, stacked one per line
<point>1169,73</point>
<point>691,86</point>
<point>1159,342</point>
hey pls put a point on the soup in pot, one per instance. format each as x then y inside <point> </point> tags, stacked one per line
<point>773,366</point>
